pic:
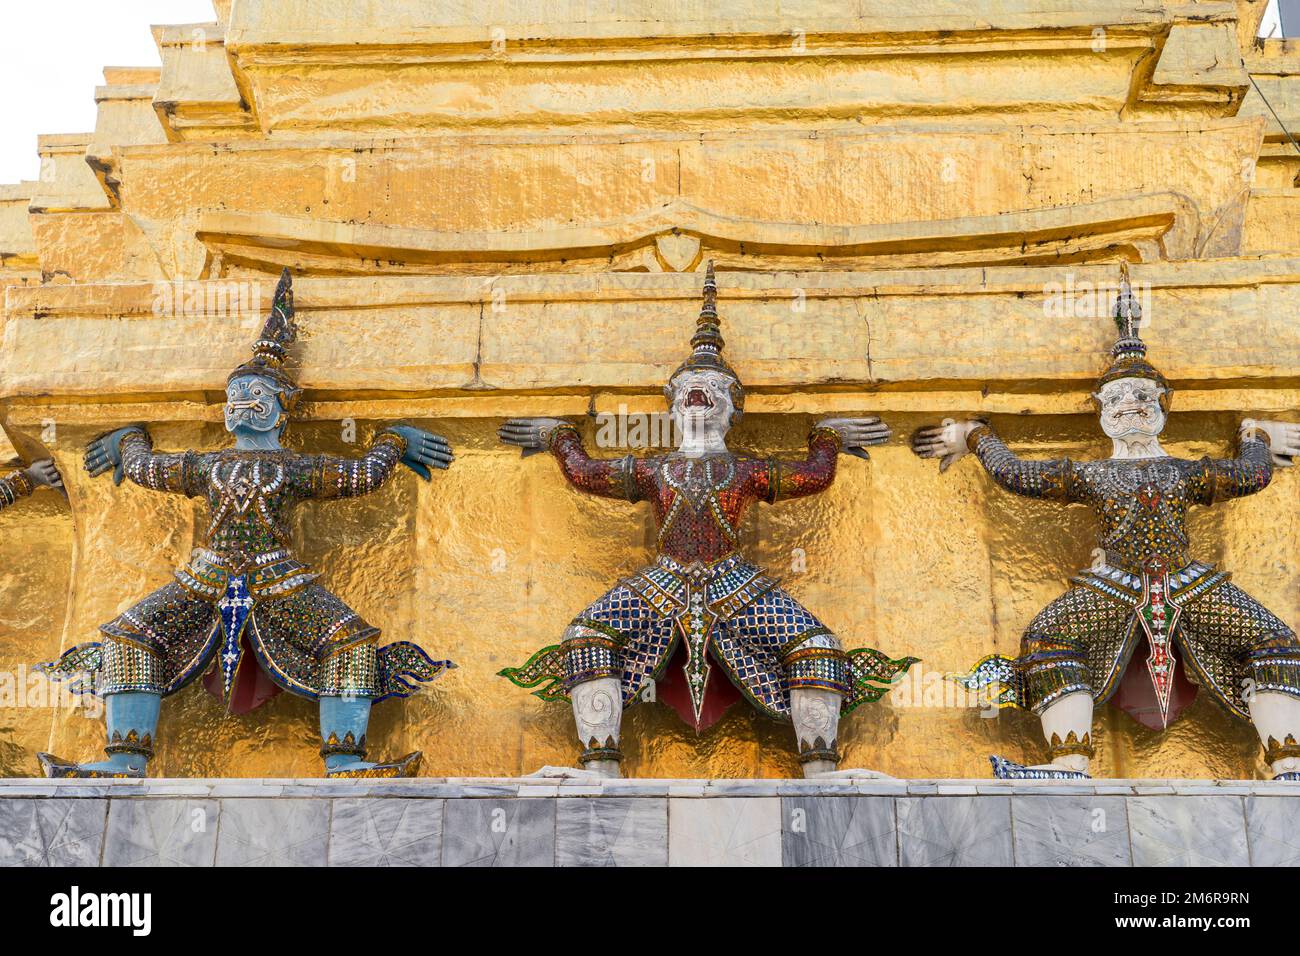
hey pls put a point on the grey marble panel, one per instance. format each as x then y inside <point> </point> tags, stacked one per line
<point>954,831</point>
<point>611,831</point>
<point>1069,830</point>
<point>838,831</point>
<point>386,831</point>
<point>724,831</point>
<point>511,786</point>
<point>273,832</point>
<point>1273,827</point>
<point>627,823</point>
<point>161,832</point>
<point>52,832</point>
<point>512,832</point>
<point>1188,831</point>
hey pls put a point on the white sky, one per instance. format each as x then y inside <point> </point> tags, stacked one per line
<point>1270,21</point>
<point>53,52</point>
<point>52,56</point>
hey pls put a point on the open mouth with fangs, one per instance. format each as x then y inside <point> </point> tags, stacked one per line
<point>698,398</point>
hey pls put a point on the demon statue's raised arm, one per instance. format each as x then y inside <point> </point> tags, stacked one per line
<point>245,612</point>
<point>1147,622</point>
<point>701,599</point>
<point>24,481</point>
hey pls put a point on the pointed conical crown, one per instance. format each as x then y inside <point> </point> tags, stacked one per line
<point>1128,354</point>
<point>707,342</point>
<point>272,347</point>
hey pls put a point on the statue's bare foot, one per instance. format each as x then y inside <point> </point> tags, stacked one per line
<point>408,766</point>
<point>1004,769</point>
<point>850,774</point>
<point>123,766</point>
<point>571,773</point>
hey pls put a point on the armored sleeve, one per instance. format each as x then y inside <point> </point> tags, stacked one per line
<point>13,487</point>
<point>608,478</point>
<point>336,476</point>
<point>180,473</point>
<point>1057,479</point>
<point>1220,479</point>
<point>798,479</point>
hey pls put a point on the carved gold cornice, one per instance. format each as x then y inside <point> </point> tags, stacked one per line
<point>678,235</point>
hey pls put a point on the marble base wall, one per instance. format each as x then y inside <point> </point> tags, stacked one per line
<point>542,822</point>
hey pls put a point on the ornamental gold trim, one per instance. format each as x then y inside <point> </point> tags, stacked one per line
<point>1071,746</point>
<point>1274,751</point>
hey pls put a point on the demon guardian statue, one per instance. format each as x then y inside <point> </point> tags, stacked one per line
<point>701,599</point>
<point>1146,604</point>
<point>244,609</point>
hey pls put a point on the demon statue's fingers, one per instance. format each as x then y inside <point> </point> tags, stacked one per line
<point>97,459</point>
<point>424,450</point>
<point>530,434</point>
<point>437,452</point>
<point>96,462</point>
<point>44,473</point>
<point>1283,438</point>
<point>437,445</point>
<point>105,453</point>
<point>856,434</point>
<point>946,441</point>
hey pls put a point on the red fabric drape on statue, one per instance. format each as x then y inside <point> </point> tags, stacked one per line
<point>251,687</point>
<point>719,693</point>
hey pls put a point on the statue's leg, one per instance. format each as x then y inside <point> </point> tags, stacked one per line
<point>613,646</point>
<point>322,644</point>
<point>132,700</point>
<point>347,680</point>
<point>131,723</point>
<point>343,723</point>
<point>816,716</point>
<point>1239,644</point>
<point>785,656</point>
<point>1057,676</point>
<point>1277,721</point>
<point>598,716</point>
<point>1067,727</point>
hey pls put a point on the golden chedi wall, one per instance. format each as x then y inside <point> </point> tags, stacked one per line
<point>491,210</point>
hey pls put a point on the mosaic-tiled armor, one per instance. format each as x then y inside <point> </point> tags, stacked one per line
<point>23,482</point>
<point>245,611</point>
<point>1146,590</point>
<point>729,624</point>
<point>14,486</point>
<point>1147,622</point>
<point>243,597</point>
